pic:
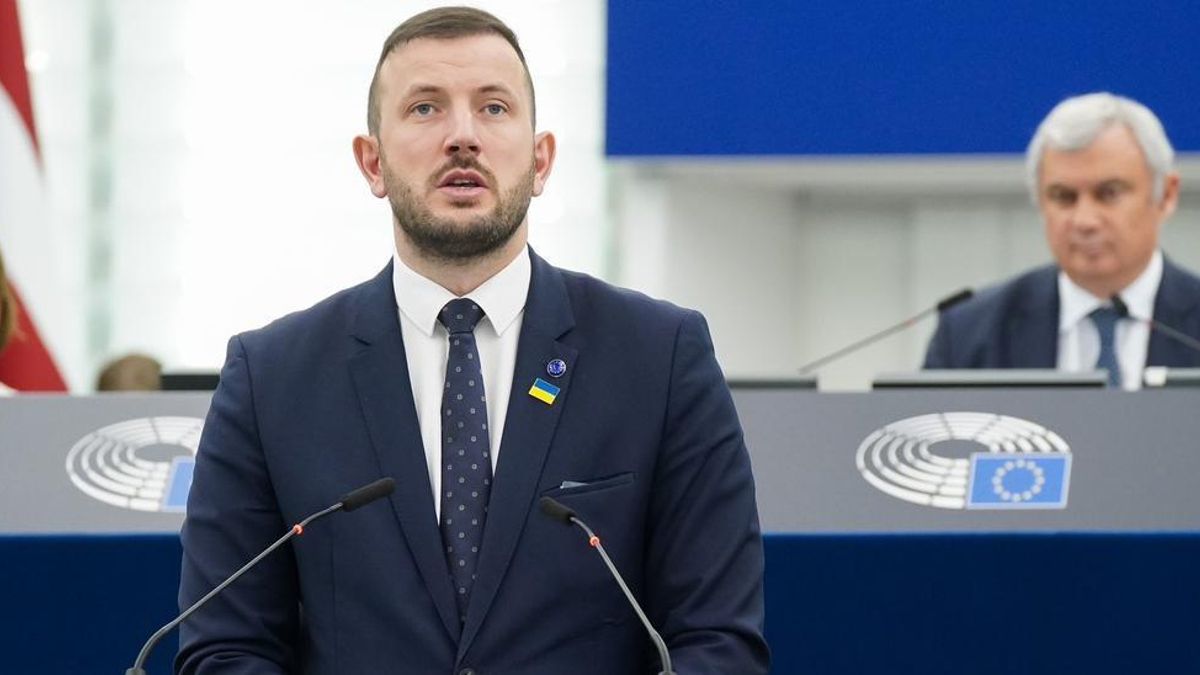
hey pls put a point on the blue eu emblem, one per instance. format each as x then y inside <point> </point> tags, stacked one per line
<point>1019,481</point>
<point>179,484</point>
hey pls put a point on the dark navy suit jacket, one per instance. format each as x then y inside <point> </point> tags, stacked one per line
<point>319,403</point>
<point>1015,324</point>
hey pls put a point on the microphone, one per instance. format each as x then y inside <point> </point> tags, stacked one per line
<point>942,305</point>
<point>364,495</point>
<point>348,502</point>
<point>1178,335</point>
<point>565,514</point>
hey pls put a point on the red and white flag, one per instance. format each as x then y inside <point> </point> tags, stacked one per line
<point>25,363</point>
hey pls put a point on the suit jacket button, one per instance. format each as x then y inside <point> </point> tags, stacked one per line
<point>467,671</point>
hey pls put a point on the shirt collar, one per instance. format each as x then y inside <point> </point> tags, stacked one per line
<point>501,297</point>
<point>1075,303</point>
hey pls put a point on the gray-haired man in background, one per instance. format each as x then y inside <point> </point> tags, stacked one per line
<point>1101,171</point>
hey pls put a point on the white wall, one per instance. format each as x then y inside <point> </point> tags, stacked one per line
<point>198,166</point>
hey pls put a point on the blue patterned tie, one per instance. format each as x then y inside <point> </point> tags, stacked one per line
<point>1105,319</point>
<point>466,458</point>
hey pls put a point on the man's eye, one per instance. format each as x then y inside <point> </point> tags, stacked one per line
<point>494,109</point>
<point>1107,193</point>
<point>1061,197</point>
<point>422,109</point>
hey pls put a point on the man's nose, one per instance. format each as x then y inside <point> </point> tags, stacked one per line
<point>463,135</point>
<point>1086,214</point>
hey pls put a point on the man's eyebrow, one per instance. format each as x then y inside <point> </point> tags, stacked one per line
<point>418,89</point>
<point>495,89</point>
<point>422,89</point>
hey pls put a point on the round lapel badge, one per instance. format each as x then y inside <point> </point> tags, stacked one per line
<point>556,368</point>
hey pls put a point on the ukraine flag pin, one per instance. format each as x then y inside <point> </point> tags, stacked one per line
<point>544,391</point>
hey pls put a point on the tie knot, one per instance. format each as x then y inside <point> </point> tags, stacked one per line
<point>1104,317</point>
<point>460,315</point>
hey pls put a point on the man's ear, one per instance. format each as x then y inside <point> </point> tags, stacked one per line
<point>544,147</point>
<point>1170,198</point>
<point>366,154</point>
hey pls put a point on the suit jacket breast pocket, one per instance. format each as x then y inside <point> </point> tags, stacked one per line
<point>570,488</point>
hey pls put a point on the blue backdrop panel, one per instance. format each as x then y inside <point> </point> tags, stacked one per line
<point>708,77</point>
<point>919,605</point>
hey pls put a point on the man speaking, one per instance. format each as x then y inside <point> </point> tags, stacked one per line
<point>481,378</point>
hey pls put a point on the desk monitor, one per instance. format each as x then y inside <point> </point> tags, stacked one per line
<point>802,382</point>
<point>994,379</point>
<point>1160,376</point>
<point>190,381</point>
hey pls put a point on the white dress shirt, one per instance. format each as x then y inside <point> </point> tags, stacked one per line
<point>1078,339</point>
<point>426,346</point>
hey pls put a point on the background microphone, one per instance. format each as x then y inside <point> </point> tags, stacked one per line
<point>563,513</point>
<point>942,305</point>
<point>350,501</point>
<point>1178,335</point>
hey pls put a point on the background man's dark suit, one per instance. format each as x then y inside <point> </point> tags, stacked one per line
<point>1015,324</point>
<point>319,402</point>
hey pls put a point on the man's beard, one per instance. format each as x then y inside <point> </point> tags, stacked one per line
<point>450,240</point>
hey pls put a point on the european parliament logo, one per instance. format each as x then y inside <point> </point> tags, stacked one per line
<point>1018,464</point>
<point>140,464</point>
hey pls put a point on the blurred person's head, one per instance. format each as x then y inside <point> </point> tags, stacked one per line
<point>8,318</point>
<point>1101,171</point>
<point>134,372</point>
<point>452,142</point>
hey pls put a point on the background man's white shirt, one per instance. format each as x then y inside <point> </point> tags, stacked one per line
<point>1078,339</point>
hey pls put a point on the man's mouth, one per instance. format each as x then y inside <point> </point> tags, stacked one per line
<point>461,183</point>
<point>1090,245</point>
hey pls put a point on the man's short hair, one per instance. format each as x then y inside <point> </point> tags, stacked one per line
<point>443,23</point>
<point>1074,123</point>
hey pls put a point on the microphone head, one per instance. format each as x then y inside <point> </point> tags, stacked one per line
<point>1119,305</point>
<point>556,510</point>
<point>367,494</point>
<point>952,300</point>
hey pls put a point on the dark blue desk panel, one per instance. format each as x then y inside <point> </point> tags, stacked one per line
<point>984,604</point>
<point>85,604</point>
<point>896,604</point>
<point>883,77</point>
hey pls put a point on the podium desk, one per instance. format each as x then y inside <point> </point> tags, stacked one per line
<point>858,579</point>
<point>83,580</point>
<point>863,578</point>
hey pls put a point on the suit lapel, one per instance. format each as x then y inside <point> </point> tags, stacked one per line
<point>528,429</point>
<point>1032,333</point>
<point>1174,306</point>
<point>380,375</point>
